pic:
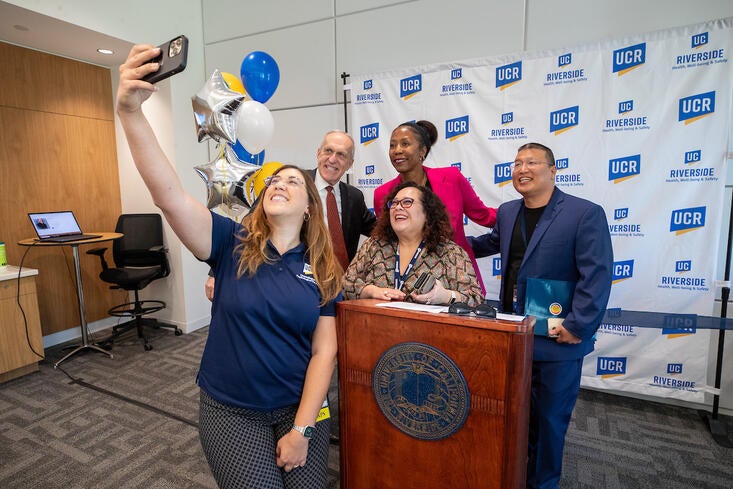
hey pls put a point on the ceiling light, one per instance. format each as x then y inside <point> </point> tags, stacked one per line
<point>105,51</point>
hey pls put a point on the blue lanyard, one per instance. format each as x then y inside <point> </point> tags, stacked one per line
<point>399,280</point>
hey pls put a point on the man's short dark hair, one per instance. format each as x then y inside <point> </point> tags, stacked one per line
<point>548,152</point>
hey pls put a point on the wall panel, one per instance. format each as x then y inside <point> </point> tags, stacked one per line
<point>57,152</point>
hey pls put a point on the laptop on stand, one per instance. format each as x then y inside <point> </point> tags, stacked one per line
<point>58,227</point>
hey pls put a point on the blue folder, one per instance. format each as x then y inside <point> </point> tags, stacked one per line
<point>545,298</point>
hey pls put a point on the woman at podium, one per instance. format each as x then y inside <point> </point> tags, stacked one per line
<point>412,238</point>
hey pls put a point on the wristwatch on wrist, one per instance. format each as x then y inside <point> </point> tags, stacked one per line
<point>306,431</point>
<point>452,296</point>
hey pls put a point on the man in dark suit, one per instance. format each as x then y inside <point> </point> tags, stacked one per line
<point>335,156</point>
<point>551,235</point>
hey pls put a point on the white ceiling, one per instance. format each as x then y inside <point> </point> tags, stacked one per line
<point>37,31</point>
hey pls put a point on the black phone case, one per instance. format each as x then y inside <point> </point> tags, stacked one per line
<point>169,65</point>
<point>424,283</point>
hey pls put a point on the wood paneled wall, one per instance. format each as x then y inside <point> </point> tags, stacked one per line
<point>58,152</point>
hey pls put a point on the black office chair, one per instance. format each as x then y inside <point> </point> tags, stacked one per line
<point>140,258</point>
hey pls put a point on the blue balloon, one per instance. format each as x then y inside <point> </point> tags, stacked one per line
<point>245,156</point>
<point>260,75</point>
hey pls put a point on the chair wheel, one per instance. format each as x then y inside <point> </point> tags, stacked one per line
<point>148,347</point>
<point>178,332</point>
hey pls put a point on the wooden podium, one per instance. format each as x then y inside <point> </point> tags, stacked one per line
<point>395,346</point>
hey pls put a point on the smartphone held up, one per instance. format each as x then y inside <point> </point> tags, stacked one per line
<point>172,59</point>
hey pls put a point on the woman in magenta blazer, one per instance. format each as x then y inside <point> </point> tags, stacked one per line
<point>409,145</point>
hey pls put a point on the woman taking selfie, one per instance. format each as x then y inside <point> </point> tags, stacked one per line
<point>271,349</point>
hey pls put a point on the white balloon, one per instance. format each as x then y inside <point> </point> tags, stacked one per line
<point>255,126</point>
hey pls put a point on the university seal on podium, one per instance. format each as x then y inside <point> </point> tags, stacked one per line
<point>421,391</point>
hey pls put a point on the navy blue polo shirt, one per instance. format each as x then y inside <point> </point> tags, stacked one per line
<point>259,342</point>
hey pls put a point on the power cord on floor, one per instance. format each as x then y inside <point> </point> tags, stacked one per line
<point>22,312</point>
<point>126,399</point>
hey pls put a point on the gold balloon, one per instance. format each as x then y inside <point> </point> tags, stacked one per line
<point>234,83</point>
<point>255,182</point>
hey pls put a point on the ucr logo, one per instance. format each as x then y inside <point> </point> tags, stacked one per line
<point>367,84</point>
<point>608,367</point>
<point>674,368</point>
<point>679,325</point>
<point>625,106</point>
<point>410,86</point>
<point>508,75</point>
<point>622,270</point>
<point>699,40</point>
<point>693,156</point>
<point>503,173</point>
<point>695,107</point>
<point>369,133</point>
<point>621,169</point>
<point>456,73</point>
<point>564,119</point>
<point>686,220</point>
<point>457,127</point>
<point>564,60</point>
<point>628,58</point>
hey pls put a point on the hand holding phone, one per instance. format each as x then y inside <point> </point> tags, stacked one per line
<point>172,59</point>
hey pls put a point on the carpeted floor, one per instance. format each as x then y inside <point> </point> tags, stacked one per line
<point>130,422</point>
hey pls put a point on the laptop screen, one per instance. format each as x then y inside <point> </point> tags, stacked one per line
<point>53,224</point>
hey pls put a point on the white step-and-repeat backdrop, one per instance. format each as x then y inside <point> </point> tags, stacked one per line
<point>639,125</point>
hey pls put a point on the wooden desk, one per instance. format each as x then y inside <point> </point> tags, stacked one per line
<point>21,342</point>
<point>79,289</point>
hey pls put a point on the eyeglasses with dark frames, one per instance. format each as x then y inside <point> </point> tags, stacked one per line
<point>405,203</point>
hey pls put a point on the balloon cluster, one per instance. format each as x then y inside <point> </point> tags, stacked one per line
<point>232,113</point>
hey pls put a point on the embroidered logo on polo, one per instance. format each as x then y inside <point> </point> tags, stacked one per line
<point>421,391</point>
<point>307,274</point>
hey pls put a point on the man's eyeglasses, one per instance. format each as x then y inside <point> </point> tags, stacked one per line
<point>291,181</point>
<point>530,165</point>
<point>405,203</point>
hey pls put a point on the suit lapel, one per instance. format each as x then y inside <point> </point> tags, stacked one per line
<point>436,178</point>
<point>345,208</point>
<point>507,225</point>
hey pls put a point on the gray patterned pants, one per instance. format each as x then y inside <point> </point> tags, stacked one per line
<point>239,445</point>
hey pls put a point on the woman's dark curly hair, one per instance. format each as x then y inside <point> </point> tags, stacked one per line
<point>437,228</point>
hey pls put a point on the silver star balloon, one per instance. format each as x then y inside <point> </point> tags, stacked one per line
<point>225,180</point>
<point>214,110</point>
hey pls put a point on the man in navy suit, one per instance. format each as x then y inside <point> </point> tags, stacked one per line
<point>551,235</point>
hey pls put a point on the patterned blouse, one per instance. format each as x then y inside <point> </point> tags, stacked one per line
<point>375,261</point>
